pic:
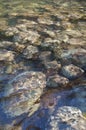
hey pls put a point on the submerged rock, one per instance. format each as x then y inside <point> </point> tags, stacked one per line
<point>76,56</point>
<point>45,56</point>
<point>47,21</point>
<point>52,67</point>
<point>67,118</point>
<point>57,81</point>
<point>26,36</point>
<point>30,52</point>
<point>22,92</point>
<point>71,71</point>
<point>5,44</point>
<point>6,55</point>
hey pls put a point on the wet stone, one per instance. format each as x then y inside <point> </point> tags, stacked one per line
<point>30,52</point>
<point>48,43</point>
<point>47,21</point>
<point>57,81</point>
<point>11,31</point>
<point>22,92</point>
<point>68,118</point>
<point>45,56</point>
<point>50,33</point>
<point>18,47</point>
<point>71,71</point>
<point>52,67</point>
<point>5,44</point>
<point>26,36</point>
<point>76,56</point>
<point>6,55</point>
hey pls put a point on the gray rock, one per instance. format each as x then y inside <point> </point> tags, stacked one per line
<point>71,71</point>
<point>57,81</point>
<point>30,52</point>
<point>6,55</point>
<point>76,56</point>
<point>22,92</point>
<point>67,118</point>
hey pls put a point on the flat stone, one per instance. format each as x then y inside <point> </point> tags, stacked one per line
<point>30,52</point>
<point>71,71</point>
<point>57,81</point>
<point>22,92</point>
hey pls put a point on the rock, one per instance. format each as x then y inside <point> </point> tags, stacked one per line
<point>5,44</point>
<point>52,67</point>
<point>67,118</point>
<point>76,56</point>
<point>50,33</point>
<point>26,36</point>
<point>74,33</point>
<point>22,92</point>
<point>30,52</point>
<point>49,43</point>
<point>18,47</point>
<point>76,41</point>
<point>11,31</point>
<point>45,56</point>
<point>71,71</point>
<point>6,55</point>
<point>9,69</point>
<point>46,21</point>
<point>57,81</point>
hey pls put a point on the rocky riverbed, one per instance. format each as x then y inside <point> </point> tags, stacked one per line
<point>43,65</point>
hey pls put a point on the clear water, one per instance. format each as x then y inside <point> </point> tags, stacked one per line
<point>13,10</point>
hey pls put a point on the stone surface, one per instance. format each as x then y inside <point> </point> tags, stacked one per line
<point>11,31</point>
<point>71,71</point>
<point>26,36</point>
<point>5,44</point>
<point>57,81</point>
<point>76,56</point>
<point>67,118</point>
<point>47,21</point>
<point>22,92</point>
<point>6,55</point>
<point>52,67</point>
<point>45,56</point>
<point>30,52</point>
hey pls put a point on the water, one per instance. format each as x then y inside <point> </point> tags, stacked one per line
<point>54,16</point>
